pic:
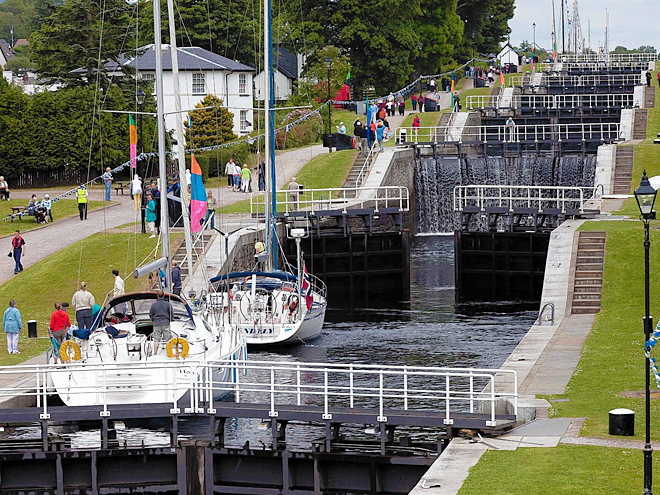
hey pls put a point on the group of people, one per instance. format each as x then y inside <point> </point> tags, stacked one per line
<point>40,210</point>
<point>374,132</point>
<point>239,179</point>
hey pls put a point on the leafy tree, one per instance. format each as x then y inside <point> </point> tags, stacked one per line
<point>441,31</point>
<point>69,38</point>
<point>21,61</point>
<point>13,122</point>
<point>210,126</point>
<point>524,46</point>
<point>486,23</point>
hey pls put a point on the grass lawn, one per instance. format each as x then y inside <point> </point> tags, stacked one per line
<point>323,171</point>
<point>56,278</point>
<point>563,470</point>
<point>64,208</point>
<point>612,358</point>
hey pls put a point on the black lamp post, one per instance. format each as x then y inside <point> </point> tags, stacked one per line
<point>534,41</point>
<point>645,196</point>
<point>140,96</point>
<point>328,64</point>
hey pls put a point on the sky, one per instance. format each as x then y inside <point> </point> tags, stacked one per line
<point>632,22</point>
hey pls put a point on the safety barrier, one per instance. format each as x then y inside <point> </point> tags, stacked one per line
<point>366,167</point>
<point>611,57</point>
<point>539,198</point>
<point>623,100</point>
<point>603,131</point>
<point>326,386</point>
<point>335,198</point>
<point>584,80</point>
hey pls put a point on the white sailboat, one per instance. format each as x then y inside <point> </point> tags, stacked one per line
<point>272,306</point>
<point>118,363</point>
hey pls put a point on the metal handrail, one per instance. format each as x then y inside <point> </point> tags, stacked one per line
<point>603,131</point>
<point>197,247</point>
<point>505,196</point>
<point>583,80</point>
<point>335,198</point>
<point>275,384</point>
<point>611,57</point>
<point>366,167</point>
<point>539,320</point>
<point>610,100</point>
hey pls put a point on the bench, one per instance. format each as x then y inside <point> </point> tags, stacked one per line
<point>17,209</point>
<point>119,186</point>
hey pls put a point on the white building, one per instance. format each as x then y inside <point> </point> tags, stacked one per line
<point>286,68</point>
<point>508,55</point>
<point>201,72</point>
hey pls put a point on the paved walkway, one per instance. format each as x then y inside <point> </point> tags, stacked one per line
<point>43,242</point>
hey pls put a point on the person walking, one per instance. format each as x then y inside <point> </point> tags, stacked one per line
<point>380,134</point>
<point>150,214</point>
<point>4,189</point>
<point>658,85</point>
<point>511,129</point>
<point>416,125</point>
<point>421,100</point>
<point>294,189</point>
<point>413,101</point>
<point>246,176</point>
<point>648,78</point>
<point>59,324</point>
<point>83,196</point>
<point>364,138</point>
<point>211,205</point>
<point>17,250</point>
<point>176,278</point>
<point>118,287</point>
<point>136,191</point>
<point>160,315</point>
<point>457,101</point>
<point>237,177</point>
<point>402,106</point>
<point>229,172</point>
<point>107,180</point>
<point>83,302</point>
<point>12,323</point>
<point>262,176</point>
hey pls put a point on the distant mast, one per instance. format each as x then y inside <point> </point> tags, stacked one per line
<point>554,34</point>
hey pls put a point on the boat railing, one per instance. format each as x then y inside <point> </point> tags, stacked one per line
<point>327,386</point>
<point>335,198</point>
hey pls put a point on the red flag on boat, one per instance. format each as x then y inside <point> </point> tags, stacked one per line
<point>307,288</point>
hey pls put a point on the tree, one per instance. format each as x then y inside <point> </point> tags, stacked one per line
<point>486,23</point>
<point>440,32</point>
<point>69,39</point>
<point>210,126</point>
<point>525,46</point>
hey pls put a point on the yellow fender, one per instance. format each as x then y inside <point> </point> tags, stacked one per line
<point>67,348</point>
<point>177,343</point>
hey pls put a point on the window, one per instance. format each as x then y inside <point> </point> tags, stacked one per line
<point>242,84</point>
<point>199,84</point>
<point>243,117</point>
<point>146,76</point>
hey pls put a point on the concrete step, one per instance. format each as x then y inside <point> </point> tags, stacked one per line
<point>585,310</point>
<point>585,296</point>
<point>587,289</point>
<point>584,281</point>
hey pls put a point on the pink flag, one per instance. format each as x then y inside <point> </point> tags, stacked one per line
<point>133,138</point>
<point>198,197</point>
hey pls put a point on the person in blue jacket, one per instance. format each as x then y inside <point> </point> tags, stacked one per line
<point>12,323</point>
<point>380,131</point>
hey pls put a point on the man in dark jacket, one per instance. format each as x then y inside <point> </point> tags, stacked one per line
<point>161,314</point>
<point>176,278</point>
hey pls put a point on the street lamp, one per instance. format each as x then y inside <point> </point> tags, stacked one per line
<point>328,64</point>
<point>140,96</point>
<point>534,42</point>
<point>645,196</point>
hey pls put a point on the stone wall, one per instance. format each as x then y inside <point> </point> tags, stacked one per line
<point>401,172</point>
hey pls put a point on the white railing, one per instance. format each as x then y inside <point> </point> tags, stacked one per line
<point>335,198</point>
<point>584,80</point>
<point>623,100</point>
<point>366,167</point>
<point>329,386</point>
<point>605,131</point>
<point>531,197</point>
<point>612,57</point>
<point>198,248</point>
<point>603,65</point>
<point>483,101</point>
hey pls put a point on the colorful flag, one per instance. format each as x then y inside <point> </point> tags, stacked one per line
<point>452,82</point>
<point>501,74</point>
<point>133,138</point>
<point>306,288</point>
<point>197,196</point>
<point>533,48</point>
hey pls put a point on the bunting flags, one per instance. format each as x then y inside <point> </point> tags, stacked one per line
<point>133,139</point>
<point>197,196</point>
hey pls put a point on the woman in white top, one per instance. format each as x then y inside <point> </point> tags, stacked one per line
<point>83,302</point>
<point>136,190</point>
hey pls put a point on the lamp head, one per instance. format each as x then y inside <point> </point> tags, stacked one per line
<point>328,62</point>
<point>140,96</point>
<point>645,196</point>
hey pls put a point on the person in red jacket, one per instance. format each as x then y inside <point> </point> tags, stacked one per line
<point>658,78</point>
<point>59,323</point>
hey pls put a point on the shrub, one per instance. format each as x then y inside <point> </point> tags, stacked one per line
<point>302,134</point>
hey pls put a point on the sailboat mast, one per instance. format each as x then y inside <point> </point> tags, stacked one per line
<point>162,165</point>
<point>180,151</point>
<point>563,28</point>
<point>554,34</point>
<point>269,145</point>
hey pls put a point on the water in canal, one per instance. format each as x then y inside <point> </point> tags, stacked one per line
<point>428,330</point>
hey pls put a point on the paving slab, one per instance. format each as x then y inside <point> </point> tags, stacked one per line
<point>542,427</point>
<point>539,442</point>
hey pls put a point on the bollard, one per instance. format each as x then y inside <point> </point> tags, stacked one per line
<point>402,136</point>
<point>622,422</point>
<point>32,329</point>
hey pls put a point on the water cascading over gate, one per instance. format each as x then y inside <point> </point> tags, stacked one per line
<point>436,177</point>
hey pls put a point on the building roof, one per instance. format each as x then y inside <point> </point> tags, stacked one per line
<point>21,42</point>
<point>189,58</point>
<point>286,62</point>
<point>6,50</point>
<point>504,48</point>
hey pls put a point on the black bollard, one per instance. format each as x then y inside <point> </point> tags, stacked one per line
<point>622,422</point>
<point>32,329</point>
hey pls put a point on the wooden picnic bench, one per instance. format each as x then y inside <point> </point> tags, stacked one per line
<point>17,209</point>
<point>119,186</point>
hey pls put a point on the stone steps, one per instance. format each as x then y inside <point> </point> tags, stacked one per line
<point>623,168</point>
<point>649,96</point>
<point>589,264</point>
<point>639,123</point>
